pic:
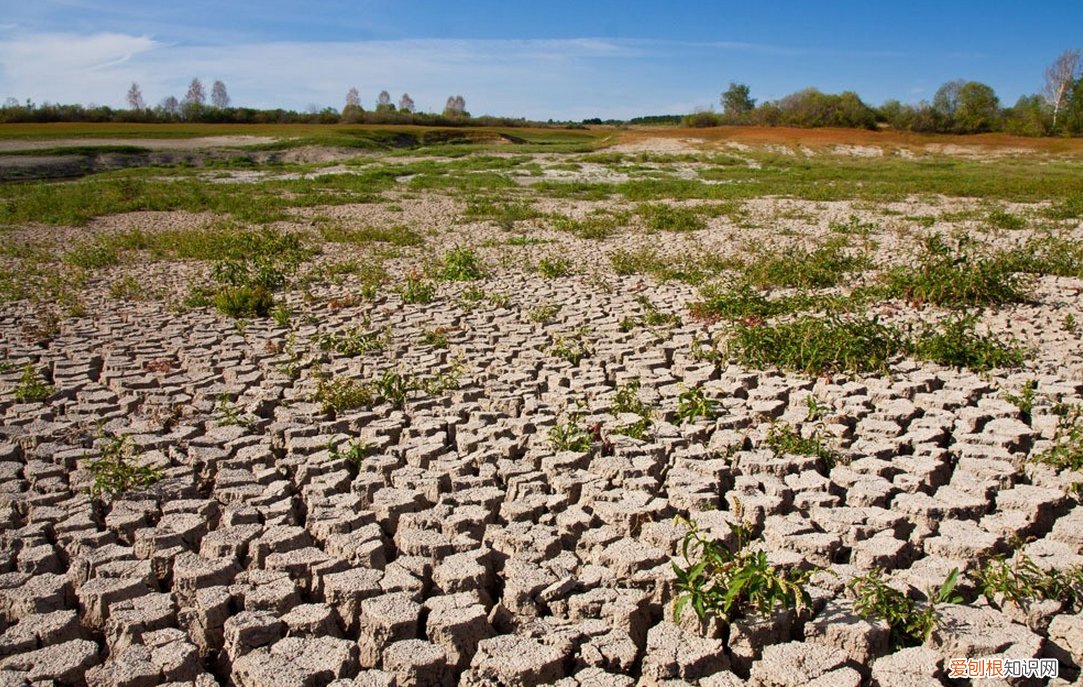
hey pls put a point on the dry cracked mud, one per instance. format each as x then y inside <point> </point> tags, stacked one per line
<point>461,546</point>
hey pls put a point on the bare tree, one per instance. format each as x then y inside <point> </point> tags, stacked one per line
<point>353,99</point>
<point>135,98</point>
<point>196,94</point>
<point>455,107</point>
<point>406,103</point>
<point>383,102</point>
<point>219,96</point>
<point>10,102</point>
<point>1059,78</point>
<point>171,106</point>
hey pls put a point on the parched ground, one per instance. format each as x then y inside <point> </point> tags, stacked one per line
<point>504,497</point>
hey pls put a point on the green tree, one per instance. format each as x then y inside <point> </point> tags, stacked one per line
<point>1028,117</point>
<point>736,101</point>
<point>945,103</point>
<point>1073,114</point>
<point>978,108</point>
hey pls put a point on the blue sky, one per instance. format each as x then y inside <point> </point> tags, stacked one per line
<point>556,59</point>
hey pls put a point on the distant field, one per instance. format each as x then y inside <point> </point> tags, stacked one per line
<point>294,135</point>
<point>376,135</point>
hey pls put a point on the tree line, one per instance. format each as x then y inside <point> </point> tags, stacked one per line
<point>958,107</point>
<point>218,109</point>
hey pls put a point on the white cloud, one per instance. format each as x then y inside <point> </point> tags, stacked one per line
<point>538,78</point>
<point>68,68</point>
<point>496,76</point>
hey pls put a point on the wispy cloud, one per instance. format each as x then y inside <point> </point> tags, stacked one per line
<point>536,78</point>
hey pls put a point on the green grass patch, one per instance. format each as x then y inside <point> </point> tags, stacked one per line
<point>955,276</point>
<point>397,235</point>
<point>663,217</point>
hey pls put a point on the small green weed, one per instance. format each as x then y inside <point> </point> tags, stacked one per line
<point>395,387</point>
<point>128,288</point>
<point>461,264</point>
<point>354,342</point>
<point>693,405</point>
<point>544,314</point>
<point>662,217</point>
<point>717,581</point>
<point>573,347</point>
<point>955,276</point>
<point>1021,581</point>
<point>552,268</point>
<point>1002,219</point>
<point>337,395</point>
<point>955,342</point>
<point>1024,400</point>
<point>1066,453</point>
<point>32,387</point>
<point>815,345</point>
<point>502,214</point>
<point>281,315</point>
<point>417,290</point>
<point>785,439</point>
<point>825,266</point>
<point>436,337</point>
<point>911,623</point>
<point>570,435</point>
<point>353,454</point>
<point>243,301</point>
<point>230,415</point>
<point>116,471</point>
<point>1069,324</point>
<point>852,227</point>
<point>627,400</point>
